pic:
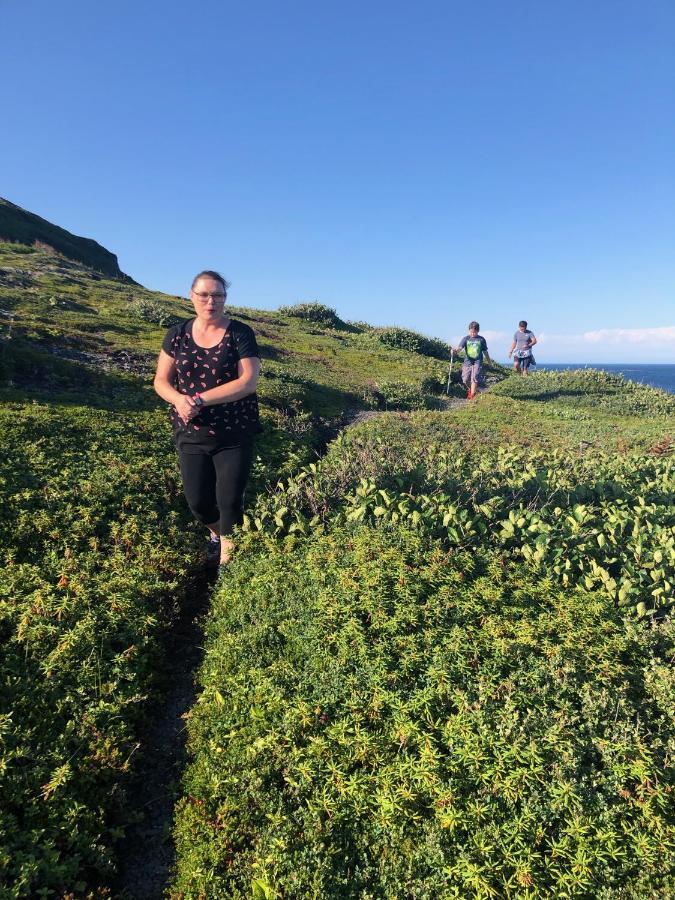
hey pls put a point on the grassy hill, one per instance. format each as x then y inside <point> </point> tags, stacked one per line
<point>440,665</point>
<point>98,551</point>
<point>17,224</point>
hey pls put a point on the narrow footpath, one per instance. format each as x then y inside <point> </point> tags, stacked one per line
<point>146,855</point>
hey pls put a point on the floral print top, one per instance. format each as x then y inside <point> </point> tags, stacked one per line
<point>200,368</point>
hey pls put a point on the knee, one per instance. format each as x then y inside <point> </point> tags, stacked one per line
<point>204,509</point>
<point>230,499</point>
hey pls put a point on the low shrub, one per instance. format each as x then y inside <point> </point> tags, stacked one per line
<point>314,312</point>
<point>434,384</point>
<point>400,395</point>
<point>152,311</point>
<point>93,540</point>
<point>590,388</point>
<point>602,520</point>
<point>404,339</point>
<point>383,718</point>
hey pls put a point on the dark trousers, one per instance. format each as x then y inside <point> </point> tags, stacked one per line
<point>214,485</point>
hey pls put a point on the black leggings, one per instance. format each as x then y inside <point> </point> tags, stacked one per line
<point>214,485</point>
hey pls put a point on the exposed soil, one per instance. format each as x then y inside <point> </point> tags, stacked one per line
<point>118,360</point>
<point>147,853</point>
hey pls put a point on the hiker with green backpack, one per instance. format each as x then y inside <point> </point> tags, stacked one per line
<point>475,350</point>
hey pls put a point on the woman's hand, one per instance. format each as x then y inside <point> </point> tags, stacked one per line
<point>186,409</point>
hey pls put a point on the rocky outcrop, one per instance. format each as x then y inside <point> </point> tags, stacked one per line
<point>23,227</point>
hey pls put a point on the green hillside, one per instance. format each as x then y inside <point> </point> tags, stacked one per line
<point>17,224</point>
<point>98,551</point>
<point>440,664</point>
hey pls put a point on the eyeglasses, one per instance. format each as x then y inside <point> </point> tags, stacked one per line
<point>203,296</point>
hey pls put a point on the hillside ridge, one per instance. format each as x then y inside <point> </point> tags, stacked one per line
<point>24,227</point>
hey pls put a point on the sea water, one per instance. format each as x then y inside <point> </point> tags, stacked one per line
<point>656,375</point>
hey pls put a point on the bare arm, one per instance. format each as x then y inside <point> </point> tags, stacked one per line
<point>533,341</point>
<point>512,348</point>
<point>165,378</point>
<point>246,382</point>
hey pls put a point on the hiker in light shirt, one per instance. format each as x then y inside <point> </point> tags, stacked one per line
<point>521,348</point>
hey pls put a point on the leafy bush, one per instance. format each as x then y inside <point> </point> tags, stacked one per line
<point>370,396</point>
<point>92,541</point>
<point>400,395</point>
<point>152,311</point>
<point>603,391</point>
<point>434,384</point>
<point>314,312</point>
<point>604,521</point>
<point>405,339</point>
<point>383,718</point>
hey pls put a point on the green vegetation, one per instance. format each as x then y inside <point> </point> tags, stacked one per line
<point>314,371</point>
<point>411,340</point>
<point>441,664</point>
<point>17,224</point>
<point>314,312</point>
<point>95,554</point>
<point>98,551</point>
<point>384,717</point>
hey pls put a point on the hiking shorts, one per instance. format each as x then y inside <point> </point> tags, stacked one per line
<point>472,374</point>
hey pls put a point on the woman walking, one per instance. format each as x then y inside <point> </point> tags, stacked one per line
<point>208,371</point>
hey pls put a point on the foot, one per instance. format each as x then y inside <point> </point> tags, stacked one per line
<point>226,551</point>
<point>213,552</point>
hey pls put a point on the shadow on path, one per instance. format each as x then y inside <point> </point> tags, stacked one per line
<point>146,855</point>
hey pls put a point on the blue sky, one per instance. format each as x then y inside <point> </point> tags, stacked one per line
<point>420,164</point>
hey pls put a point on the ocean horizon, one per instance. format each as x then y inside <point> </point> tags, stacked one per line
<point>658,375</point>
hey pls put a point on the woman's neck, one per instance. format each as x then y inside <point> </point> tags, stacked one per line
<point>209,326</point>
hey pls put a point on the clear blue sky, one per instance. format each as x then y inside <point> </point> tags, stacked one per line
<point>413,163</point>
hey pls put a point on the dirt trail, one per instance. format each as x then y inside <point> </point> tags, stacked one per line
<point>147,853</point>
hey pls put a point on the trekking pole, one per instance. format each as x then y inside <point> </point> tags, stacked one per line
<point>447,387</point>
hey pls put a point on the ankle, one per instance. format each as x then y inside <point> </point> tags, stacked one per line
<point>226,549</point>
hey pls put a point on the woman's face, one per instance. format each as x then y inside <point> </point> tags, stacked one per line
<point>208,297</point>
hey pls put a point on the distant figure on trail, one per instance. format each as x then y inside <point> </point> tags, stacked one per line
<point>208,371</point>
<point>475,349</point>
<point>523,342</point>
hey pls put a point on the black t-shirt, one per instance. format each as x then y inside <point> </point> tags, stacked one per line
<point>200,368</point>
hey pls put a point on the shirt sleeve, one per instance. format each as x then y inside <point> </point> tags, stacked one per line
<point>462,344</point>
<point>169,342</point>
<point>484,344</point>
<point>245,342</point>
